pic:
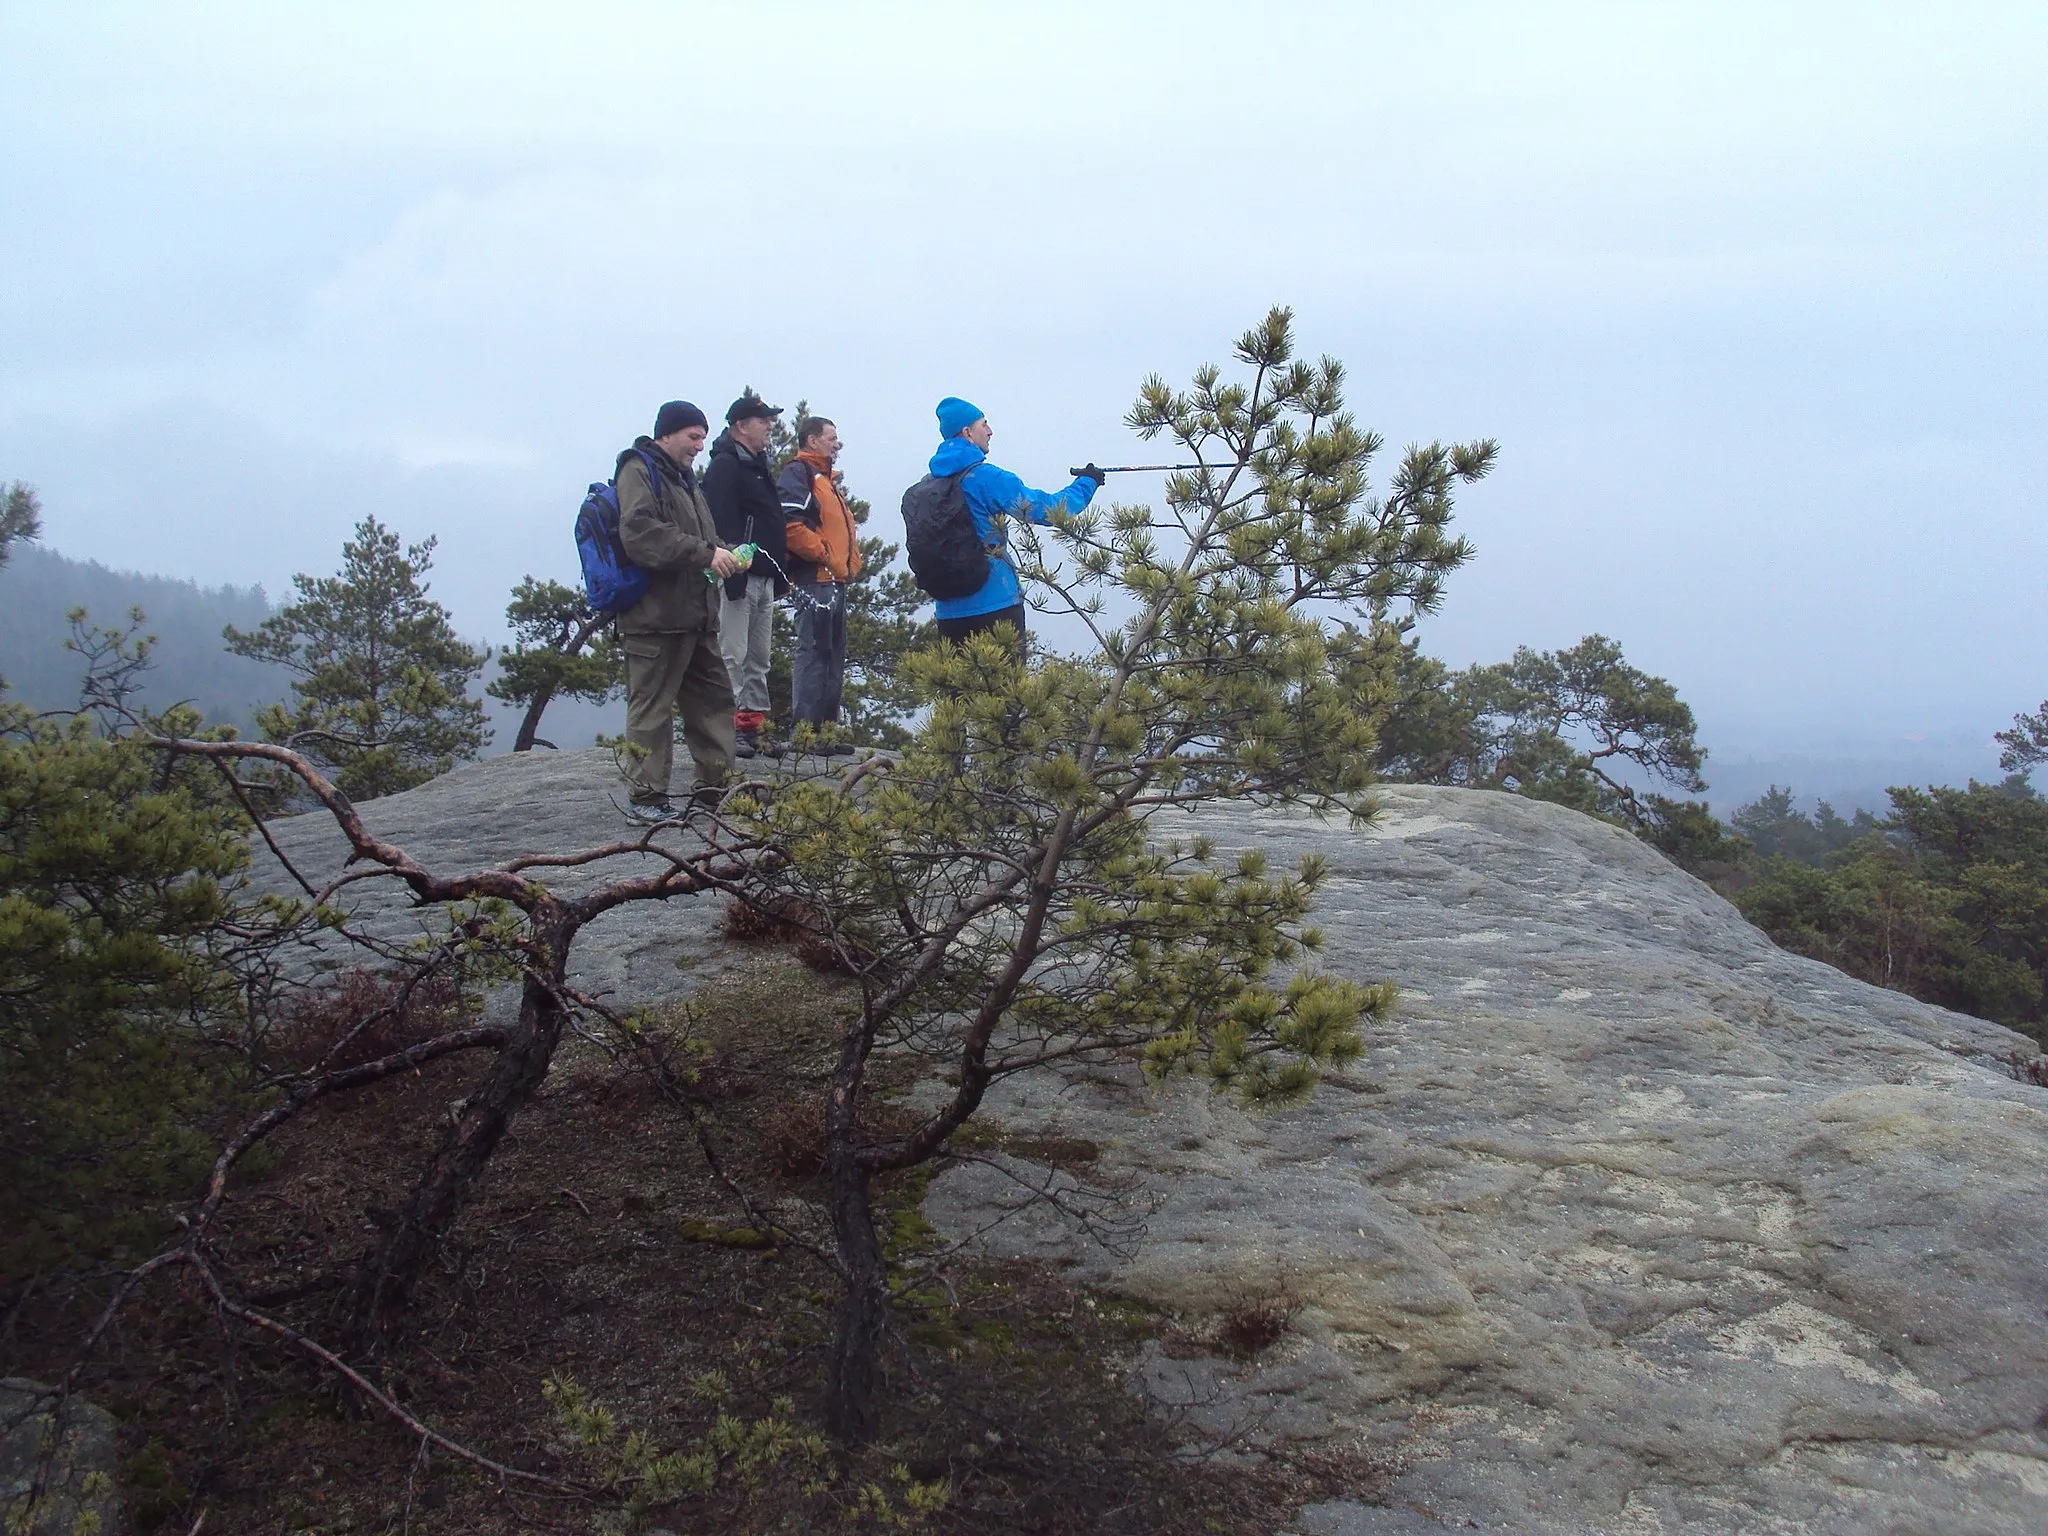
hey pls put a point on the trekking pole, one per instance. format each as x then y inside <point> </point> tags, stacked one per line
<point>1147,469</point>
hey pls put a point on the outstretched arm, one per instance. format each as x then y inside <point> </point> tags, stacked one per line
<point>1002,491</point>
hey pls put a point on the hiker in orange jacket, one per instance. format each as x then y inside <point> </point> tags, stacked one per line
<point>824,555</point>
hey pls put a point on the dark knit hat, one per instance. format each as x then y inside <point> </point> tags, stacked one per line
<point>677,415</point>
<point>749,406</point>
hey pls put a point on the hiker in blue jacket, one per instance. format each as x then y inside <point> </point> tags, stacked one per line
<point>992,495</point>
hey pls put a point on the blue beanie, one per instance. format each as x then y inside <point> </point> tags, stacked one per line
<point>956,416</point>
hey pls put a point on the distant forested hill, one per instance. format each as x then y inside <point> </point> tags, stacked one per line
<point>39,586</point>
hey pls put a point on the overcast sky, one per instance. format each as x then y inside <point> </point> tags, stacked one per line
<point>1752,295</point>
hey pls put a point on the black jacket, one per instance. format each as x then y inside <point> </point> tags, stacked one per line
<point>747,508</point>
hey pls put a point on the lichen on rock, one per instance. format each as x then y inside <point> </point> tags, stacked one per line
<point>57,1464</point>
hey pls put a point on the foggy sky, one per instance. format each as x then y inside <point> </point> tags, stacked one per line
<point>1752,296</point>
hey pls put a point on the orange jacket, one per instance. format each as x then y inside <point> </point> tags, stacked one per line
<point>824,543</point>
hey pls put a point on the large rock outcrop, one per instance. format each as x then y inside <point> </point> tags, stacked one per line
<point>1628,1222</point>
<point>482,815</point>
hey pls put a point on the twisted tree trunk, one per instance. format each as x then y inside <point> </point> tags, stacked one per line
<point>529,726</point>
<point>387,1283</point>
<point>864,1309</point>
<point>571,643</point>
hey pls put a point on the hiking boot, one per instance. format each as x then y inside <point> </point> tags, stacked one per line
<point>651,812</point>
<point>746,743</point>
<point>706,797</point>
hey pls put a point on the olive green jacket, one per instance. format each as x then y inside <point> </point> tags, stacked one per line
<point>667,530</point>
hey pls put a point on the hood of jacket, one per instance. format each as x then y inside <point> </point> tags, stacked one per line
<point>954,455</point>
<point>667,465</point>
<point>723,447</point>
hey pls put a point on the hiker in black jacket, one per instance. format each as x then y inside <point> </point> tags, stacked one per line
<point>740,485</point>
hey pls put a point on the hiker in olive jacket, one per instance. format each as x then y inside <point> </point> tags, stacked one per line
<point>670,636</point>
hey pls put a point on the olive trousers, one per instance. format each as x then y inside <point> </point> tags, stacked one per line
<point>667,675</point>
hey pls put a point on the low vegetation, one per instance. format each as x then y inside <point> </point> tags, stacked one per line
<point>581,1330</point>
<point>1945,898</point>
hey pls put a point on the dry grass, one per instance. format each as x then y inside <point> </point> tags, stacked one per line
<point>1255,1319</point>
<point>793,925</point>
<point>2026,1069</point>
<point>367,1013</point>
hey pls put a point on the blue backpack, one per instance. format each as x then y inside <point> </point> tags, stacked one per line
<point>611,581</point>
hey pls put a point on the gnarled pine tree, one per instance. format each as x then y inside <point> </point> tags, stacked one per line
<point>1567,726</point>
<point>1009,890</point>
<point>562,649</point>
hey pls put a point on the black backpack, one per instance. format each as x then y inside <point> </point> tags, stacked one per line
<point>947,557</point>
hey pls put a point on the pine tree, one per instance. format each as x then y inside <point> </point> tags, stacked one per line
<point>1554,725</point>
<point>2026,744</point>
<point>123,930</point>
<point>562,649</point>
<point>1946,898</point>
<point>883,627</point>
<point>1003,889</point>
<point>20,519</point>
<point>382,695</point>
<point>20,516</point>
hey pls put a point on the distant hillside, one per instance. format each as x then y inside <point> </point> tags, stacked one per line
<point>39,587</point>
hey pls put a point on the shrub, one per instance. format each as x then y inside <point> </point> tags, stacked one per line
<point>118,987</point>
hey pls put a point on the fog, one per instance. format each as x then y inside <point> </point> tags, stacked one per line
<point>1752,296</point>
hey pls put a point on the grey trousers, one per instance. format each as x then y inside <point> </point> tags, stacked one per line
<point>665,675</point>
<point>746,631</point>
<point>818,669</point>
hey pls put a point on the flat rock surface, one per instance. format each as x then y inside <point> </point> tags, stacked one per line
<point>486,813</point>
<point>1627,1222</point>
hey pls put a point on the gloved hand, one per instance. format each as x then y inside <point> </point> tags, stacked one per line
<point>1090,472</point>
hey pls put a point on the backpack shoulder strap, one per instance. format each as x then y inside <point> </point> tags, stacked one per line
<point>653,477</point>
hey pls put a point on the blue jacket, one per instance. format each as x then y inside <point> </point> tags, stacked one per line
<point>993,493</point>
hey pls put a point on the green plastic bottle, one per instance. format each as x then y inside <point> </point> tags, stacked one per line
<point>743,553</point>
